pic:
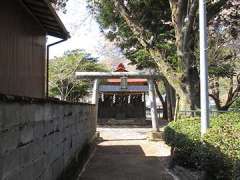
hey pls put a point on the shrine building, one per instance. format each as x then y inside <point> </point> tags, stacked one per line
<point>122,99</point>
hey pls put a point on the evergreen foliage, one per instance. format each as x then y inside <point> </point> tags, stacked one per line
<point>218,154</point>
<point>163,34</point>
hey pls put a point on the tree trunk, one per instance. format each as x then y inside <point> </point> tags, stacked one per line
<point>176,108</point>
<point>164,102</point>
<point>191,86</point>
<point>170,100</point>
<point>183,22</point>
<point>177,80</point>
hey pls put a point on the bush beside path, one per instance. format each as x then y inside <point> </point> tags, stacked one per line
<point>218,155</point>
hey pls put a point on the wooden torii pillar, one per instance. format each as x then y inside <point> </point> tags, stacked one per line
<point>96,76</point>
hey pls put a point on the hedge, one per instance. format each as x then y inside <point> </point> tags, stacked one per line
<point>219,153</point>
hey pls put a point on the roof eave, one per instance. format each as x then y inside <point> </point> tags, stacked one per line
<point>67,35</point>
<point>46,15</point>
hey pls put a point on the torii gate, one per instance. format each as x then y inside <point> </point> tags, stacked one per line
<point>96,76</point>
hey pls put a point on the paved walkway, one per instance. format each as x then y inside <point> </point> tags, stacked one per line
<point>125,154</point>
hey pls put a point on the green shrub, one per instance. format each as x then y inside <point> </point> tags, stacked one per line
<point>219,155</point>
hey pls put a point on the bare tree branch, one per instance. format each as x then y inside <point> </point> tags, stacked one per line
<point>136,28</point>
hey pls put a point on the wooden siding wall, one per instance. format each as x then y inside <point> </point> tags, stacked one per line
<point>22,52</point>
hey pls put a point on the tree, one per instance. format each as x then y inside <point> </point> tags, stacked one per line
<point>166,29</point>
<point>59,5</point>
<point>142,59</point>
<point>236,104</point>
<point>62,81</point>
<point>224,74</point>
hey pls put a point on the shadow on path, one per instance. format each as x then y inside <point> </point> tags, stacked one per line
<point>124,159</point>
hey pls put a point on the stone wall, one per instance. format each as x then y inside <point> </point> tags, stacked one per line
<point>39,140</point>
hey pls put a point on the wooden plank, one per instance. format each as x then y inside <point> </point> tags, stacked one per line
<point>22,52</point>
<point>45,18</point>
<point>51,27</point>
<point>42,12</point>
<point>35,3</point>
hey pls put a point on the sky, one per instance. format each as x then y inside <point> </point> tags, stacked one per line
<point>85,34</point>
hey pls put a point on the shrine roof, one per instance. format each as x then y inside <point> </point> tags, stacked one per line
<point>121,68</point>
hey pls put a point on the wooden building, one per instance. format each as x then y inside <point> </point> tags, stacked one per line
<point>25,25</point>
<point>122,99</point>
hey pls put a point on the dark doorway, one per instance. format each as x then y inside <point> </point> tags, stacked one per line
<point>122,106</point>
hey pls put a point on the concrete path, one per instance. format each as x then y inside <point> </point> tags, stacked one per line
<point>125,154</point>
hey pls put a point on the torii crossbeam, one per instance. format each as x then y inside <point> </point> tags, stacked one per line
<point>103,75</point>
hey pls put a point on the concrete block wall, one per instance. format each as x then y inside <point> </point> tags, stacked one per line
<point>37,141</point>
